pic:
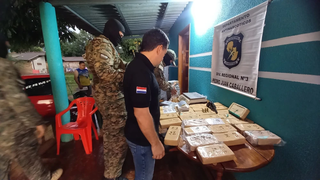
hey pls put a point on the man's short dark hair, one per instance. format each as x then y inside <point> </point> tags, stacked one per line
<point>81,62</point>
<point>154,38</point>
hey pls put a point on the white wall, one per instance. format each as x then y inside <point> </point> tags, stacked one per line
<point>40,64</point>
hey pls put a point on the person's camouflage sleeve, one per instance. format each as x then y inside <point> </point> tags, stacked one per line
<point>163,84</point>
<point>106,58</point>
<point>13,98</point>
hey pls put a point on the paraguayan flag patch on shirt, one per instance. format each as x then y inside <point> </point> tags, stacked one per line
<point>141,90</point>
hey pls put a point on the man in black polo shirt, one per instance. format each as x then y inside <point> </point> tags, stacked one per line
<point>141,92</point>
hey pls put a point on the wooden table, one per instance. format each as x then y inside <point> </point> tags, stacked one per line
<point>248,158</point>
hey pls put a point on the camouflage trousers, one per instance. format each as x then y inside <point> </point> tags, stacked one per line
<point>114,142</point>
<point>22,148</point>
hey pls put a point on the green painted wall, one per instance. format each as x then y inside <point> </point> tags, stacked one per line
<point>289,109</point>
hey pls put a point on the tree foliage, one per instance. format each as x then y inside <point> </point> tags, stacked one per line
<point>20,21</point>
<point>76,47</point>
<point>130,47</point>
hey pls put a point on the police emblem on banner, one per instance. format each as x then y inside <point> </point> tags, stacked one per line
<point>232,50</point>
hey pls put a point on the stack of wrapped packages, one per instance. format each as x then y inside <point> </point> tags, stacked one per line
<point>209,134</point>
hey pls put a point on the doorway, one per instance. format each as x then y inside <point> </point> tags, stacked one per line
<point>183,59</point>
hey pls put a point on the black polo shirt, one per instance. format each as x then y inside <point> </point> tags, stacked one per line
<point>141,90</point>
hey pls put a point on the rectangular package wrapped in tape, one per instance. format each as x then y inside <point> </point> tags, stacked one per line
<point>231,138</point>
<point>215,153</point>
<point>248,127</point>
<point>219,107</point>
<point>189,116</point>
<point>262,138</point>
<point>218,104</point>
<point>170,122</point>
<point>206,116</point>
<point>214,121</point>
<point>168,116</point>
<point>234,121</point>
<point>192,142</point>
<point>223,112</point>
<point>198,108</point>
<point>194,122</point>
<point>172,136</point>
<point>196,130</point>
<point>223,128</point>
<point>203,105</point>
<point>206,112</point>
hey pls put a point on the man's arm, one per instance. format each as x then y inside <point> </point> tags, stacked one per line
<point>145,122</point>
<point>163,84</point>
<point>76,74</point>
<point>15,96</point>
<point>141,104</point>
<point>104,63</point>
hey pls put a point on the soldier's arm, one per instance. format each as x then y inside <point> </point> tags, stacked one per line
<point>163,84</point>
<point>104,64</point>
<point>15,97</point>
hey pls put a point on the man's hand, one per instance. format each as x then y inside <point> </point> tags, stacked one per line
<point>173,91</point>
<point>157,151</point>
<point>80,87</point>
<point>40,132</point>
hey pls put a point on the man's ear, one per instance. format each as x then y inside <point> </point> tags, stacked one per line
<point>159,48</point>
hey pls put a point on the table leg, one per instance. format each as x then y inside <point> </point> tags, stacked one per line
<point>219,175</point>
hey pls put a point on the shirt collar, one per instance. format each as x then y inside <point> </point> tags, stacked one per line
<point>145,60</point>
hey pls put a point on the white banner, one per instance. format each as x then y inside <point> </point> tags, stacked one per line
<point>236,51</point>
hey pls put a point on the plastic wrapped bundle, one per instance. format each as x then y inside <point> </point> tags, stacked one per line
<point>214,121</point>
<point>224,128</point>
<point>262,138</point>
<point>231,138</point>
<point>168,110</point>
<point>196,130</point>
<point>194,122</point>
<point>195,141</point>
<point>215,153</point>
<point>172,136</point>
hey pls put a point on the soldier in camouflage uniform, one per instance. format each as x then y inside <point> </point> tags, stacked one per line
<point>158,72</point>
<point>108,70</point>
<point>18,123</point>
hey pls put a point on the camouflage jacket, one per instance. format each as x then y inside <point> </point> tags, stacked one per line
<point>107,67</point>
<point>163,84</point>
<point>16,109</point>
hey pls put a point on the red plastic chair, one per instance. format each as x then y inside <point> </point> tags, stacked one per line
<point>82,126</point>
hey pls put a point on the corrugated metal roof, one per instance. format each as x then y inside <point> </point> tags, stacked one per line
<point>28,56</point>
<point>137,18</point>
<point>73,59</point>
